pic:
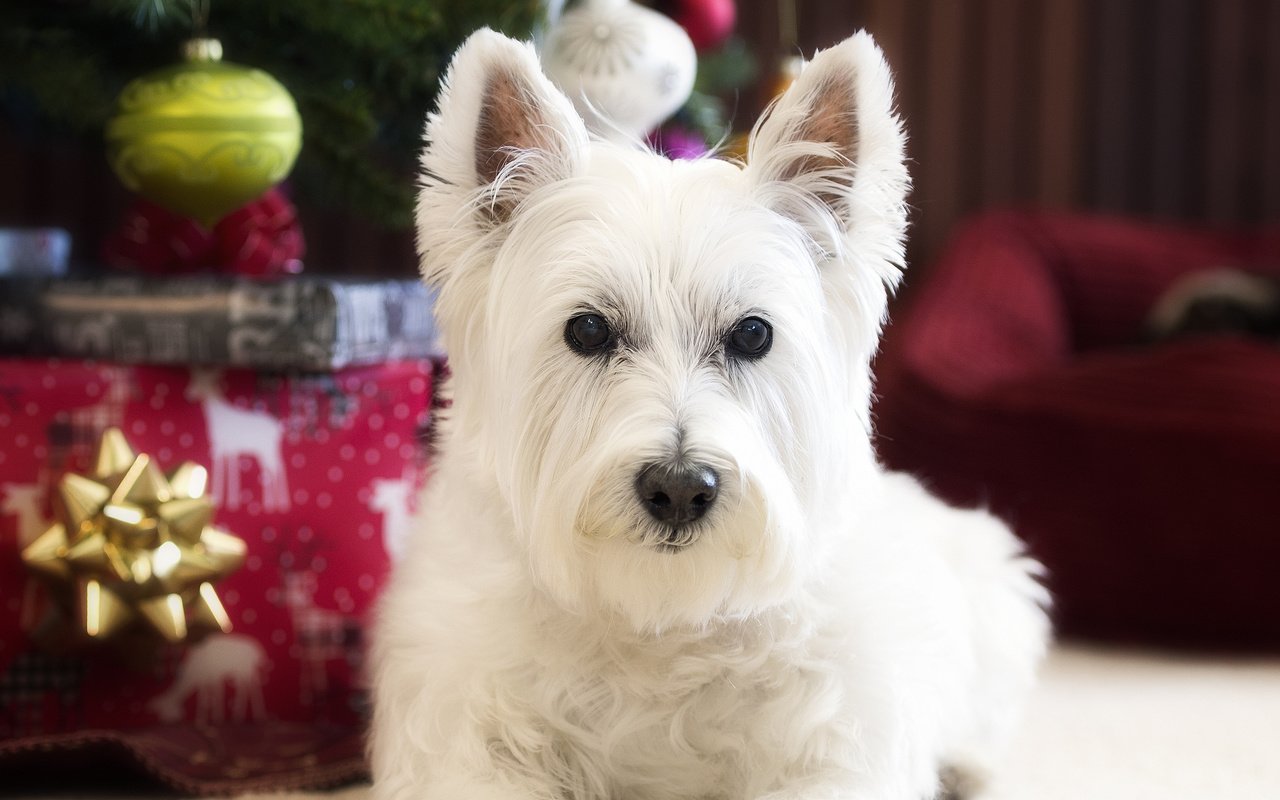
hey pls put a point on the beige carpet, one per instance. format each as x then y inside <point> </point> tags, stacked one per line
<point>1112,725</point>
<point>1108,725</point>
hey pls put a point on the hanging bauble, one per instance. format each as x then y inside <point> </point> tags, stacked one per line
<point>625,67</point>
<point>204,137</point>
<point>676,141</point>
<point>708,22</point>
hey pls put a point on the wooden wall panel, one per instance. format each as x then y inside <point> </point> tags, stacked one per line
<point>943,153</point>
<point>1227,28</point>
<point>1001,150</point>
<point>1270,113</point>
<point>1157,108</point>
<point>1058,96</point>
<point>1172,78</point>
<point>1115,97</point>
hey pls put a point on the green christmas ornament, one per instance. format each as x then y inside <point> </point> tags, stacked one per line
<point>204,137</point>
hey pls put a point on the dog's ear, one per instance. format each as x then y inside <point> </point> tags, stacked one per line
<point>501,130</point>
<point>829,152</point>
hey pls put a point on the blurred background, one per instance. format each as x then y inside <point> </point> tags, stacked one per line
<point>1160,108</point>
<point>1088,345</point>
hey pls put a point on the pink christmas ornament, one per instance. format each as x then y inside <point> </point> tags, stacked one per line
<point>708,22</point>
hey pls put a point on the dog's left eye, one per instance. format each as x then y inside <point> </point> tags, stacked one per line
<point>588,333</point>
<point>750,338</point>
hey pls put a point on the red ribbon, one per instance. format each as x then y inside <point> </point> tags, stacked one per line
<point>261,238</point>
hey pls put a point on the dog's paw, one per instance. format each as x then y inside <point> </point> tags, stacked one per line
<point>961,783</point>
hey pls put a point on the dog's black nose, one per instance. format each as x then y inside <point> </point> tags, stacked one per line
<point>677,494</point>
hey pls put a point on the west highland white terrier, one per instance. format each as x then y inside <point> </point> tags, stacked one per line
<point>658,558</point>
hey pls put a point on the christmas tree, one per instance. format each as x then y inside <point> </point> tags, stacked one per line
<point>363,72</point>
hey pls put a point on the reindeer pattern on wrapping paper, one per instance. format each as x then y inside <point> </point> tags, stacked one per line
<point>23,502</point>
<point>235,433</point>
<point>320,635</point>
<point>393,499</point>
<point>205,672</point>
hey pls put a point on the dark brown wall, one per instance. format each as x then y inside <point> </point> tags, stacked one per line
<point>1167,108</point>
<point>1161,108</point>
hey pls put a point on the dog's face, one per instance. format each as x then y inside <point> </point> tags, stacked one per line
<point>661,369</point>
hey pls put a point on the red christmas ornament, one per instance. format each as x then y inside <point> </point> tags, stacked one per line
<point>261,238</point>
<point>708,22</point>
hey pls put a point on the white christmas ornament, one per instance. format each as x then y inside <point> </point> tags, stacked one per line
<point>625,67</point>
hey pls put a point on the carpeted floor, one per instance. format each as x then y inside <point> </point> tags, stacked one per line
<point>1108,725</point>
<point>1112,725</point>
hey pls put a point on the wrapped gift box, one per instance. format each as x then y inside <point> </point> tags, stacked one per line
<point>303,322</point>
<point>316,472</point>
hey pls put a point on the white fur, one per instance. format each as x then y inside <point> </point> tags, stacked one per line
<point>832,631</point>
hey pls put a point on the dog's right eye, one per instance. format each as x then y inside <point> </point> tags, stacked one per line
<point>588,333</point>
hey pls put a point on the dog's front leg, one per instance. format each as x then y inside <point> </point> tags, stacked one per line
<point>417,755</point>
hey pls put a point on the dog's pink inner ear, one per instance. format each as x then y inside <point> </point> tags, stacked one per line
<point>831,122</point>
<point>504,125</point>
<point>510,125</point>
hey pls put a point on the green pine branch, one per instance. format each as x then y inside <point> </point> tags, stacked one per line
<point>363,72</point>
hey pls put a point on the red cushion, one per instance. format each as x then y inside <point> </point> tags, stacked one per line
<point>1145,477</point>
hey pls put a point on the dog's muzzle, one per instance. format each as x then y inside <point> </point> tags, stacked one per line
<point>677,494</point>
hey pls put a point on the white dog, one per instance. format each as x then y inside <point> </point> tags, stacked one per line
<point>658,558</point>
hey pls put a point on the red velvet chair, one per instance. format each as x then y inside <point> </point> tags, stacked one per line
<point>1146,477</point>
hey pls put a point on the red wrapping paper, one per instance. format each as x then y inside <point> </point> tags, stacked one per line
<point>317,473</point>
